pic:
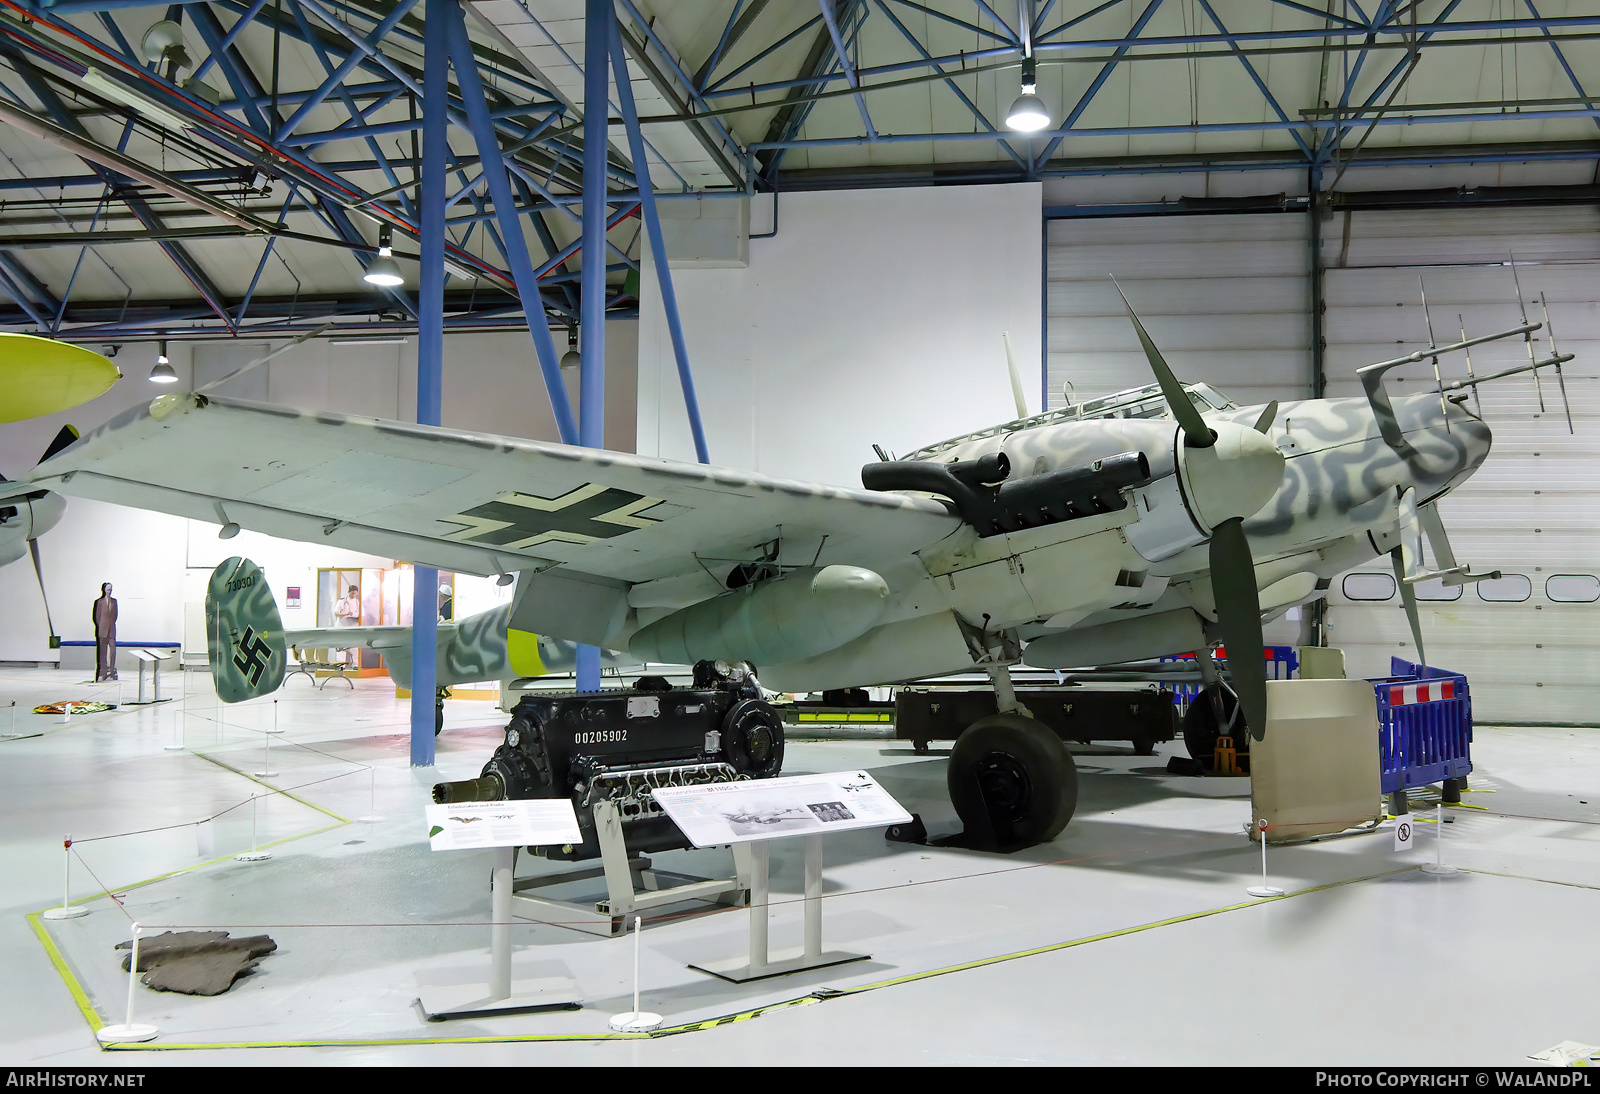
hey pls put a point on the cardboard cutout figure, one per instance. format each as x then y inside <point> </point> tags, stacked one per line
<point>105,635</point>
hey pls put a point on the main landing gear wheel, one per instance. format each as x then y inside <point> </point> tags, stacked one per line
<point>1200,729</point>
<point>1012,781</point>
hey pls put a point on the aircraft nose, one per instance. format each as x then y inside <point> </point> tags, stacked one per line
<point>1235,477</point>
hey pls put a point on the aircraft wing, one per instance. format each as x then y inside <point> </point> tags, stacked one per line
<point>468,502</point>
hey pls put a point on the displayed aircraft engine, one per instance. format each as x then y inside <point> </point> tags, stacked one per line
<point>618,746</point>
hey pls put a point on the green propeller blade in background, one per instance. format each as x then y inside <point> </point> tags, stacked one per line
<point>1268,414</point>
<point>1195,431</point>
<point>1233,584</point>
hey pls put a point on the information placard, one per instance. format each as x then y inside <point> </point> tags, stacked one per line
<point>799,805</point>
<point>525,822</point>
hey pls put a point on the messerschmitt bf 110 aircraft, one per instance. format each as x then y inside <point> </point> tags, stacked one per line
<point>1149,523</point>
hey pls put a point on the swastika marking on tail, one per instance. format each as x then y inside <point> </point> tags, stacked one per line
<point>587,513</point>
<point>253,655</point>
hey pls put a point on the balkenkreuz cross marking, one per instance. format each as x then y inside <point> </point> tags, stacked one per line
<point>517,521</point>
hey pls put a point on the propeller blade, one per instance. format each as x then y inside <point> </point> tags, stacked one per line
<point>1408,596</point>
<point>1410,534</point>
<point>1233,583</point>
<point>38,571</point>
<point>1195,431</point>
<point>1268,416</point>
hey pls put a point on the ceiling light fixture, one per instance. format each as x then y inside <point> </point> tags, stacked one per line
<point>1027,113</point>
<point>149,109</point>
<point>163,372</point>
<point>571,358</point>
<point>383,270</point>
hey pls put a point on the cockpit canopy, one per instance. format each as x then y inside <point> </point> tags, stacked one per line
<point>1139,402</point>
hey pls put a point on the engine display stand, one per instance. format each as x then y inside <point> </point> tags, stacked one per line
<point>759,964</point>
<point>632,885</point>
<point>503,995</point>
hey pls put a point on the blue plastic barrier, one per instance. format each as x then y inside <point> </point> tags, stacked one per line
<point>1283,663</point>
<point>1424,725</point>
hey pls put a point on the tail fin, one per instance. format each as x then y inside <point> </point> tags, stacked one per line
<point>244,635</point>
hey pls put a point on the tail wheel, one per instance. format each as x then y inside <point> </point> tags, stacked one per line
<point>752,738</point>
<point>1012,778</point>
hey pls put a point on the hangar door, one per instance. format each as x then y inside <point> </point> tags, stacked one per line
<point>1224,297</point>
<point>1530,642</point>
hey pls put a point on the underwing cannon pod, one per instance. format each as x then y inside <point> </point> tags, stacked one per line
<point>801,614</point>
<point>982,493</point>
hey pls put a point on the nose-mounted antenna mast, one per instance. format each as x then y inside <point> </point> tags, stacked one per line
<point>1555,354</point>
<point>1527,338</point>
<point>1433,344</point>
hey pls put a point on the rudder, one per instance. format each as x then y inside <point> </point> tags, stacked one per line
<point>244,634</point>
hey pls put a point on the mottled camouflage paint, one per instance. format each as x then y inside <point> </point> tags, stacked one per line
<point>244,636</point>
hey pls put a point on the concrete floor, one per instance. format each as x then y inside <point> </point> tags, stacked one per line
<point>1130,939</point>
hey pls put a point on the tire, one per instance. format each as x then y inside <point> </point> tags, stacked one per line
<point>752,738</point>
<point>1012,780</point>
<point>438,718</point>
<point>1200,730</point>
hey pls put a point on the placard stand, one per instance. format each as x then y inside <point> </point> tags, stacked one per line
<point>503,996</point>
<point>632,884</point>
<point>759,965</point>
<point>149,659</point>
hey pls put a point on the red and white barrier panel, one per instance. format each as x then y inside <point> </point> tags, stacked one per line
<point>1404,695</point>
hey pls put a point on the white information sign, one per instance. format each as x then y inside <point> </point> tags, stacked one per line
<point>1402,834</point>
<point>525,822</point>
<point>799,805</point>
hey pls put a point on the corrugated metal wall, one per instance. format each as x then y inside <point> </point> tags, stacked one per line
<point>1534,507</point>
<point>1225,297</point>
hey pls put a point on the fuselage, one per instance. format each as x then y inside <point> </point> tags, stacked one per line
<point>1135,583</point>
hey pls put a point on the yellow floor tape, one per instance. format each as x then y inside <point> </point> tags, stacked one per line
<point>96,1022</point>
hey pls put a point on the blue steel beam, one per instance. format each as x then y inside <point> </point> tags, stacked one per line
<point>430,358</point>
<point>527,283</point>
<point>658,248</point>
<point>843,54</point>
<point>21,299</point>
<point>1099,81</point>
<point>228,39</point>
<point>979,115</point>
<point>599,28</point>
<point>1572,77</point>
<point>1261,85</point>
<point>141,209</point>
<point>336,76</point>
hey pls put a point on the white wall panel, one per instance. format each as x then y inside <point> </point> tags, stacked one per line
<point>873,316</point>
<point>1534,507</point>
